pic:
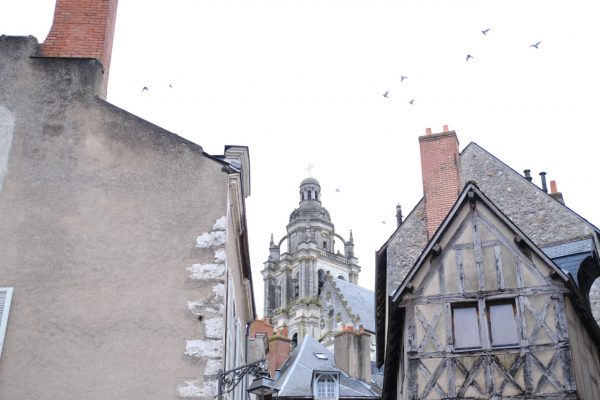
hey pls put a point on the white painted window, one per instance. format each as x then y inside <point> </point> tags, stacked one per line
<point>326,387</point>
<point>5,299</point>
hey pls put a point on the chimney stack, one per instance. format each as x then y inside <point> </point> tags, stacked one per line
<point>279,350</point>
<point>555,193</point>
<point>399,215</point>
<point>352,351</point>
<point>441,179</point>
<point>83,29</point>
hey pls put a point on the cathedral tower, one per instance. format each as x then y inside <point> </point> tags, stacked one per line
<point>300,262</point>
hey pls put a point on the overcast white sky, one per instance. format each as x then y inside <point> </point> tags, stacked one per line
<point>301,82</point>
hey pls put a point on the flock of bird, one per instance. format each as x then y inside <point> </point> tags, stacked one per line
<point>145,88</point>
<point>535,45</point>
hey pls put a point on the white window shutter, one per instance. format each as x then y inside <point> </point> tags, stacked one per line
<point>5,298</point>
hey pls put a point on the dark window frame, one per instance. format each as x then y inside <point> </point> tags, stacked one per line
<point>485,342</point>
<point>502,302</point>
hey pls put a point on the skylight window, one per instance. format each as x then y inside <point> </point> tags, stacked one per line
<point>320,356</point>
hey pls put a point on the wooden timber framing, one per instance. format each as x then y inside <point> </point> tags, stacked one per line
<point>473,261</point>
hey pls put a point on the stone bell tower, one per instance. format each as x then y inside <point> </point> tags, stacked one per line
<point>298,263</point>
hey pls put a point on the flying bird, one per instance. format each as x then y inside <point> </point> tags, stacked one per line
<point>485,31</point>
<point>145,88</point>
<point>412,102</point>
<point>386,94</point>
<point>535,45</point>
<point>171,86</point>
<point>468,57</point>
<point>403,78</point>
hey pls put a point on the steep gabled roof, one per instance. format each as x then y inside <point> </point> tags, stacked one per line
<point>471,194</point>
<point>297,373</point>
<point>361,302</point>
<point>543,219</point>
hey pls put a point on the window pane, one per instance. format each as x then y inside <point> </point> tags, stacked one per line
<point>466,328</point>
<point>503,326</point>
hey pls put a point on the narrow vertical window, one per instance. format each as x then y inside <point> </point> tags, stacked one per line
<point>503,327</point>
<point>5,299</point>
<point>466,326</point>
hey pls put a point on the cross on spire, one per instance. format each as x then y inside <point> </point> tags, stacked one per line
<point>309,169</point>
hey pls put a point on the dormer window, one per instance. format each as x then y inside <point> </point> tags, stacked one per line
<point>326,386</point>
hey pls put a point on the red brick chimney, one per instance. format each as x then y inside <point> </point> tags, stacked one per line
<point>83,29</point>
<point>279,350</point>
<point>441,179</point>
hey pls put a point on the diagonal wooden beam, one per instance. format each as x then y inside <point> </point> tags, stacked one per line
<point>509,376</point>
<point>432,380</point>
<point>430,329</point>
<point>470,377</point>
<point>547,374</point>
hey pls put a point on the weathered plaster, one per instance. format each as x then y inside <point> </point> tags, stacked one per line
<point>216,238</point>
<point>204,348</point>
<point>214,327</point>
<point>198,388</point>
<point>202,307</point>
<point>204,272</point>
<point>7,125</point>
<point>220,256</point>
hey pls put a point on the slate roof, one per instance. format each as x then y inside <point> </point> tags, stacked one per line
<point>361,302</point>
<point>541,217</point>
<point>296,375</point>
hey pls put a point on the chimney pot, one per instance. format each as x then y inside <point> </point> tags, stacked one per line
<point>553,187</point>
<point>544,186</point>
<point>428,131</point>
<point>527,173</point>
<point>445,129</point>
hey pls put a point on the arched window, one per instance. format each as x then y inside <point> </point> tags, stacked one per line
<point>294,341</point>
<point>296,285</point>
<point>326,387</point>
<point>321,279</point>
<point>341,277</point>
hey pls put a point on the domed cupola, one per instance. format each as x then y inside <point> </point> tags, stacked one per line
<point>310,202</point>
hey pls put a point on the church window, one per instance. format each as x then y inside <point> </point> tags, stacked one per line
<point>294,341</point>
<point>341,277</point>
<point>277,297</point>
<point>325,244</point>
<point>466,326</point>
<point>321,279</point>
<point>316,195</point>
<point>296,283</point>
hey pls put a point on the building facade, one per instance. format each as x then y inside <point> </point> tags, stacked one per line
<point>294,278</point>
<point>124,266</point>
<point>484,290</point>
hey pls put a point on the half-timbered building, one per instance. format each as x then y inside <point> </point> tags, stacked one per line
<point>495,302</point>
